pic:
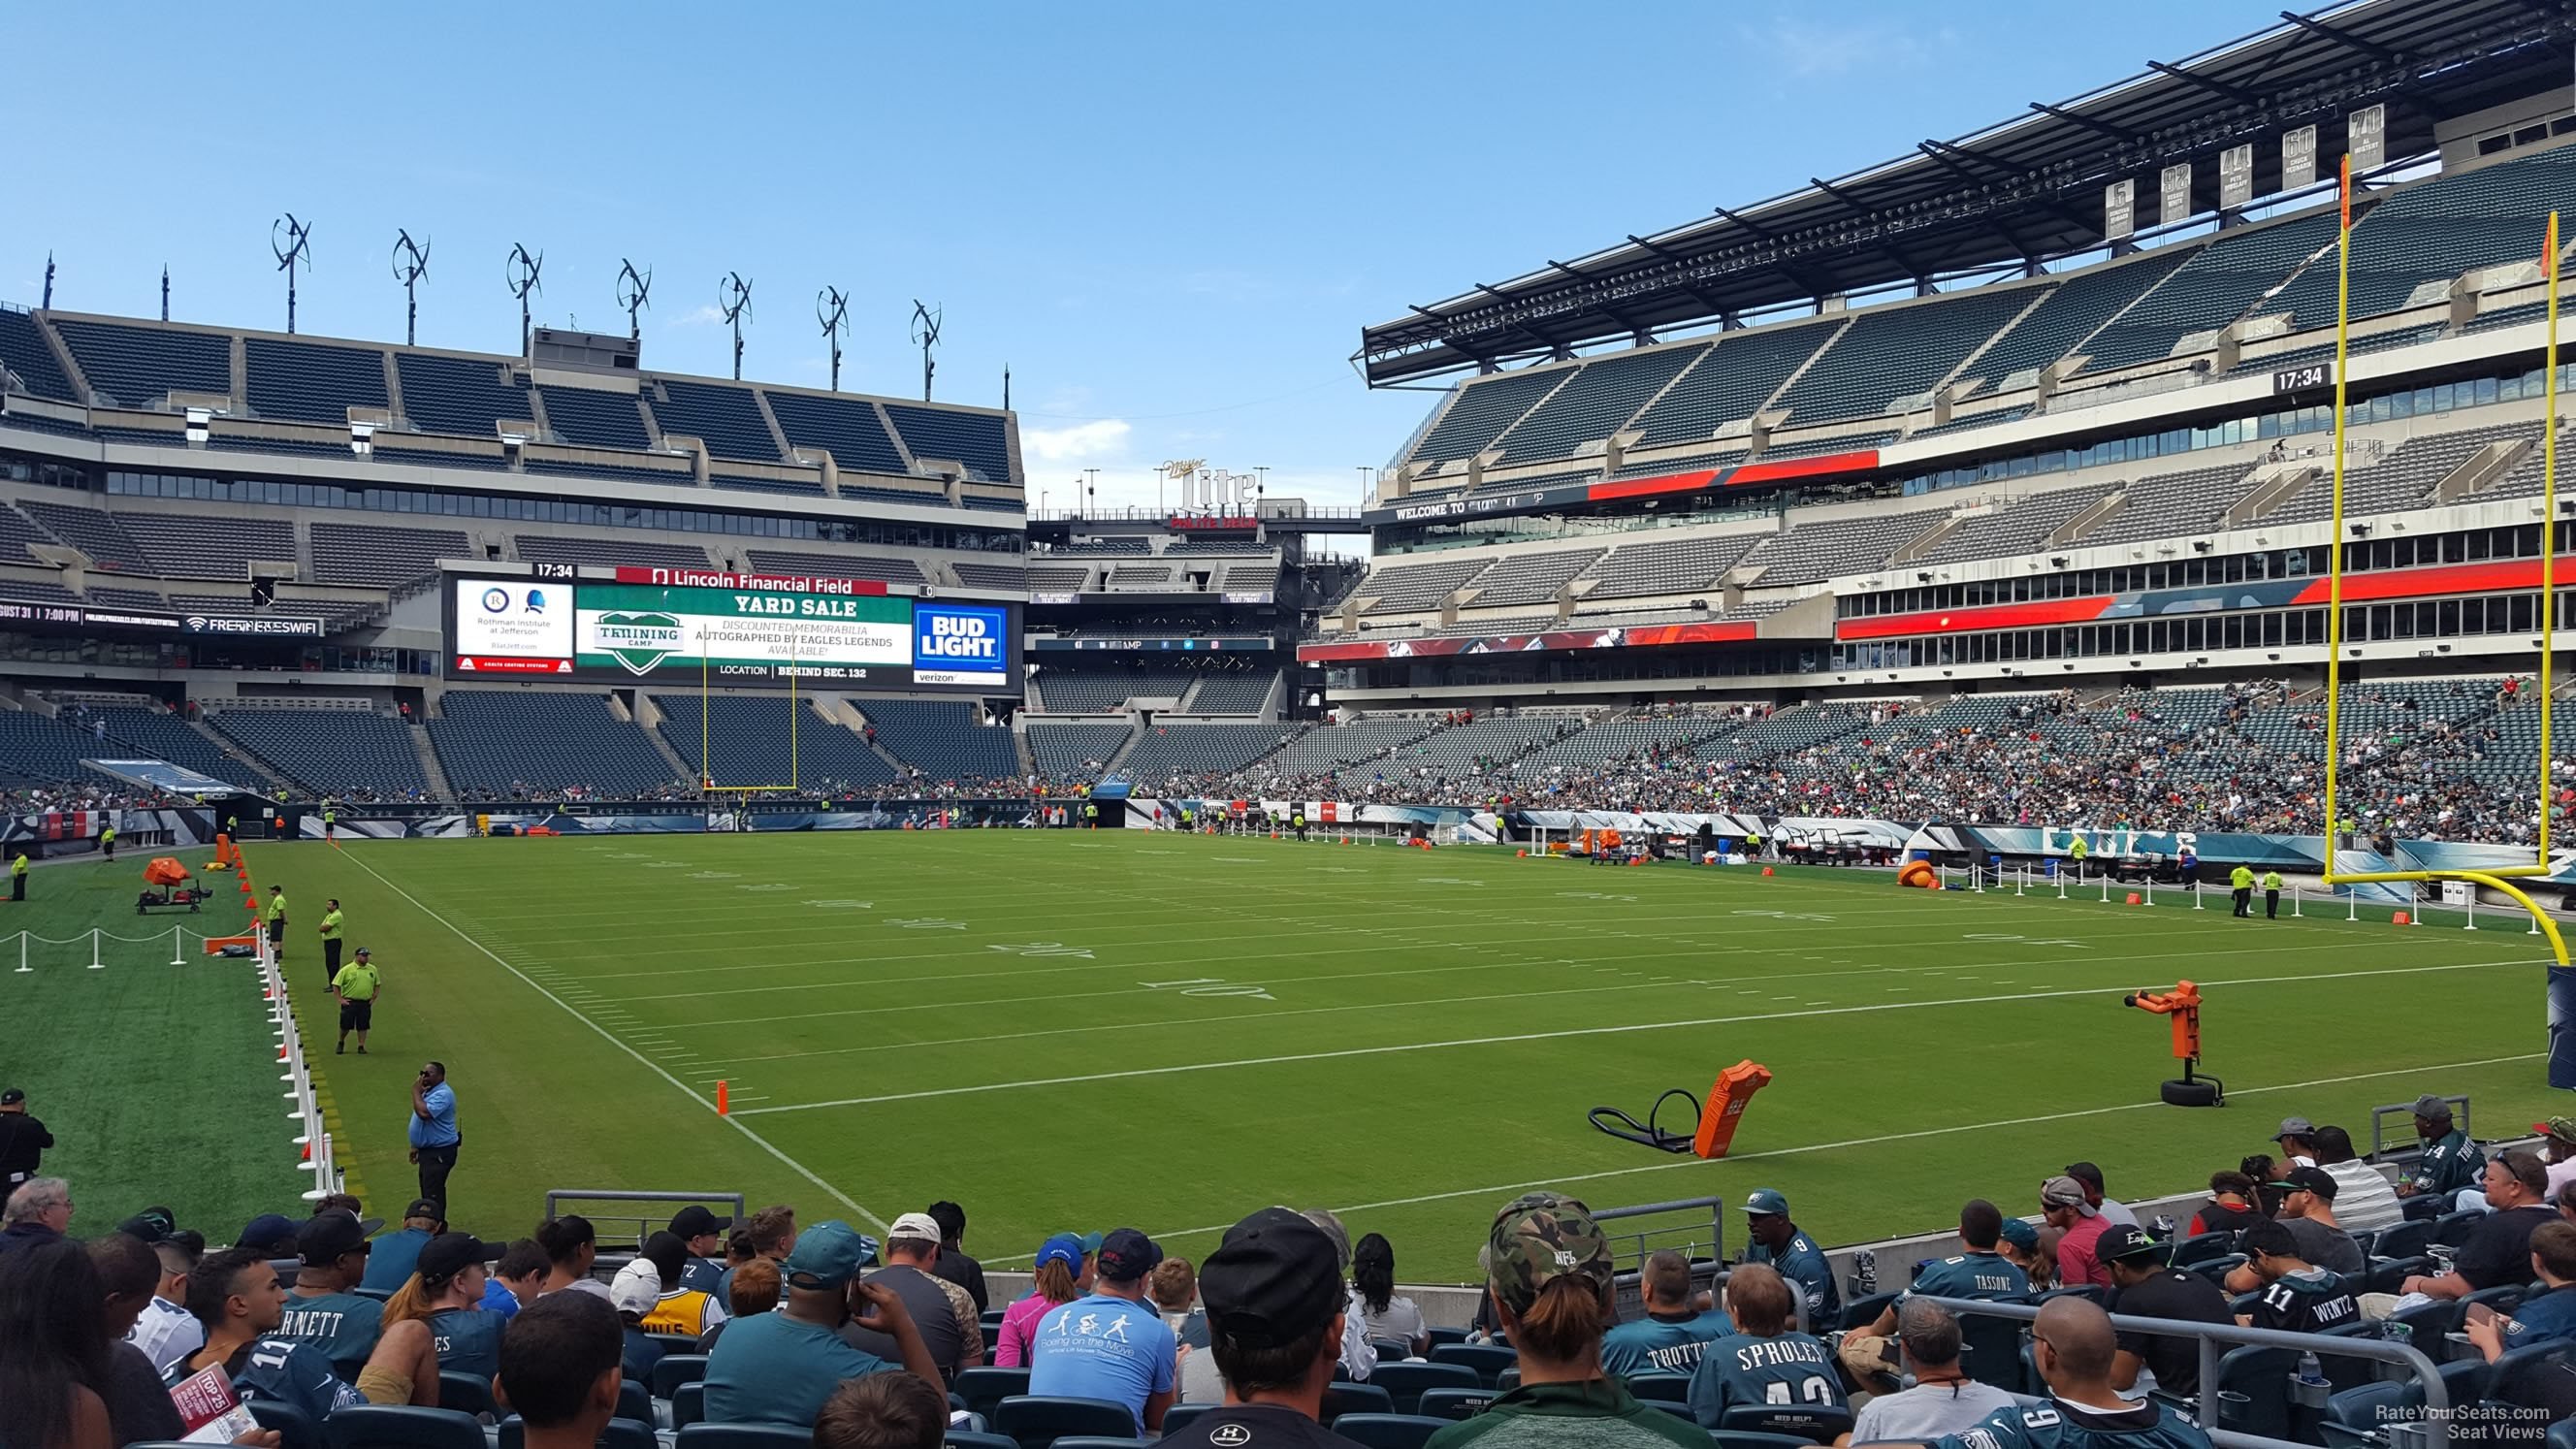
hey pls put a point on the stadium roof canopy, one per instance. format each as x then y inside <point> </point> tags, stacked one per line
<point>2014,194</point>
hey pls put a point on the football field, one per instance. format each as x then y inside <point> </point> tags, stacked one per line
<point>1078,1030</point>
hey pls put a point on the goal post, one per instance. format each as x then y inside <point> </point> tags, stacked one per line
<point>707,782</point>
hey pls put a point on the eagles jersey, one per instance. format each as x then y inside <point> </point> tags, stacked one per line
<point>469,1341</point>
<point>1985,1277</point>
<point>1741,1371</point>
<point>2449,1164</point>
<point>2309,1302</point>
<point>2058,1424</point>
<point>1804,1265</point>
<point>344,1326</point>
<point>281,1372</point>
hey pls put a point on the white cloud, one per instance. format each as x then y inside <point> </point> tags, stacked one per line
<point>1805,50</point>
<point>1104,438</point>
<point>707,316</point>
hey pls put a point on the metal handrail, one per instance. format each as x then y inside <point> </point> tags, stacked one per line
<point>555,1195</point>
<point>2431,1432</point>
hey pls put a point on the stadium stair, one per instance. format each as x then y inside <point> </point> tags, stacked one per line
<point>239,756</point>
<point>649,715</point>
<point>429,765</point>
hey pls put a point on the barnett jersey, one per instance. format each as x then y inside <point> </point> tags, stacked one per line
<point>281,1372</point>
<point>1985,1277</point>
<point>1741,1371</point>
<point>2058,1424</point>
<point>1804,1265</point>
<point>2309,1302</point>
<point>342,1326</point>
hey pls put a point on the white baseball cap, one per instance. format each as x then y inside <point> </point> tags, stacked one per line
<point>637,1287</point>
<point>915,1225</point>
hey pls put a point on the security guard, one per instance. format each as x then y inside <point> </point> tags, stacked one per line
<point>2271,895</point>
<point>18,877</point>
<point>2240,884</point>
<point>331,937</point>
<point>1189,820</point>
<point>1090,816</point>
<point>356,985</point>
<point>275,916</point>
<point>107,839</point>
<point>1297,820</point>
<point>330,820</point>
<point>1753,844</point>
<point>2076,852</point>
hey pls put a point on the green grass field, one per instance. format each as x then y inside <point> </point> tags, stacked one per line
<point>1074,1030</point>
<point>159,1083</point>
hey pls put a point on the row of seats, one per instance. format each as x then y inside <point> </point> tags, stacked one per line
<point>331,752</point>
<point>944,739</point>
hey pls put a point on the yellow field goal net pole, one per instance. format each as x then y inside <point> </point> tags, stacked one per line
<point>2494,878</point>
<point>706,694</point>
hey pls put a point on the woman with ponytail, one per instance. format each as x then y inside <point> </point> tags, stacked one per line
<point>1549,1272</point>
<point>1385,1315</point>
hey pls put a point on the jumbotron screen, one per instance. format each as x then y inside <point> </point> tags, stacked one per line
<point>622,632</point>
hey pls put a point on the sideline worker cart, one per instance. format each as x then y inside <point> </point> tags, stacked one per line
<point>176,887</point>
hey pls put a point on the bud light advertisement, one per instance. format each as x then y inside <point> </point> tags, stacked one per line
<point>960,644</point>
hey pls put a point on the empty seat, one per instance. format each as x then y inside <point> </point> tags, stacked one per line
<point>595,419</point>
<point>24,352</point>
<point>944,739</point>
<point>1166,752</point>
<point>726,418</point>
<point>837,565</point>
<point>768,740</point>
<point>972,438</point>
<point>1074,753</point>
<point>352,553</point>
<point>138,364</point>
<point>329,751</point>
<point>849,428</point>
<point>460,394</point>
<point>609,549</point>
<point>515,743</point>
<point>312,383</point>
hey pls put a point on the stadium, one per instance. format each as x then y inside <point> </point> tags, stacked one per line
<point>1808,678</point>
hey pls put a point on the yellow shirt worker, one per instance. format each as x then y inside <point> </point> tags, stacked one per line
<point>356,987</point>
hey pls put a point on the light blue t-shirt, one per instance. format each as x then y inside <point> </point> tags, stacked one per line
<point>773,1369</point>
<point>1098,1347</point>
<point>392,1259</point>
<point>438,1129</point>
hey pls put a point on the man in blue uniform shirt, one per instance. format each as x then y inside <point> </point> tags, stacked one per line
<point>1777,1241</point>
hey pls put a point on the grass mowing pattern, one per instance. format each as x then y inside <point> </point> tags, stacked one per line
<point>1062,1029</point>
<point>159,1082</point>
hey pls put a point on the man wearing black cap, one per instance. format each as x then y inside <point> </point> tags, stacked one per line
<point>1113,1345</point>
<point>23,1141</point>
<point>2297,1296</point>
<point>1274,1298</point>
<point>391,1261</point>
<point>2451,1162</point>
<point>451,1275</point>
<point>320,1309</point>
<point>2307,1210</point>
<point>2144,1287</point>
<point>704,1233</point>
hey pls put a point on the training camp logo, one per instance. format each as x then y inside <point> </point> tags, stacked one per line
<point>640,641</point>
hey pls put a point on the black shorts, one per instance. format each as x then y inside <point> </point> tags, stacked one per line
<point>357,1015</point>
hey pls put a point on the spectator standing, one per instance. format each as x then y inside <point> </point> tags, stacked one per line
<point>2146,1287</point>
<point>2364,1201</point>
<point>2230,1206</point>
<point>778,1368</point>
<point>321,1312</point>
<point>434,1138</point>
<point>1548,1274</point>
<point>2450,1162</point>
<point>165,1331</point>
<point>1274,1310</point>
<point>2063,1203</point>
<point>2544,1317</point>
<point>1673,1334</point>
<point>1765,1360</point>
<point>2498,1250</point>
<point>53,1348</point>
<point>1943,1400</point>
<point>2297,1296</point>
<point>517,1278</point>
<point>881,1411</point>
<point>1778,1242</point>
<point>950,1328</point>
<point>2110,1209</point>
<point>953,1263</point>
<point>560,1370</point>
<point>572,1246</point>
<point>703,1234</point>
<point>391,1258</point>
<point>39,1211</point>
<point>1064,1273</point>
<point>1109,1345</point>
<point>355,987</point>
<point>1385,1315</point>
<point>23,1140</point>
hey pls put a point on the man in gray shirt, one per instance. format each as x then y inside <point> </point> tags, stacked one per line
<point>1944,1400</point>
<point>941,1310</point>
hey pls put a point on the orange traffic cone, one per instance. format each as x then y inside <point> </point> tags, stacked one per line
<point>2402,919</point>
<point>1766,870</point>
<point>2133,898</point>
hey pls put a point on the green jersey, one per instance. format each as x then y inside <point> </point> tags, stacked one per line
<point>2309,1302</point>
<point>2449,1164</point>
<point>1743,1371</point>
<point>1601,1414</point>
<point>342,1326</point>
<point>1985,1277</point>
<point>2057,1424</point>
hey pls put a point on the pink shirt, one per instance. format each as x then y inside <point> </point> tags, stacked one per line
<point>2076,1264</point>
<point>1019,1325</point>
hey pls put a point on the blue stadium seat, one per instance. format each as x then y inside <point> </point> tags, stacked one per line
<point>385,1426</point>
<point>1454,1403</point>
<point>1754,1439</point>
<point>944,739</point>
<point>2253,1395</point>
<point>741,1436</point>
<point>985,1387</point>
<point>848,427</point>
<point>620,1433</point>
<point>2201,1247</point>
<point>1388,1431</point>
<point>465,1393</point>
<point>634,1400</point>
<point>1819,1423</point>
<point>309,382</point>
<point>1404,1381</point>
<point>1037,1420</point>
<point>688,1404</point>
<point>1487,1360</point>
<point>2562,1435</point>
<point>975,439</point>
<point>527,742</point>
<point>1991,1351</point>
<point>2358,1417</point>
<point>1178,1416</point>
<point>1862,1312</point>
<point>137,364</point>
<point>295,1428</point>
<point>2513,1378</point>
<point>726,417</point>
<point>675,1369</point>
<point>1350,1398</point>
<point>1390,1351</point>
<point>460,394</point>
<point>974,1439</point>
<point>1660,1388</point>
<point>745,740</point>
<point>332,752</point>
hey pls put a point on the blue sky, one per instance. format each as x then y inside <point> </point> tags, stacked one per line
<point>1169,220</point>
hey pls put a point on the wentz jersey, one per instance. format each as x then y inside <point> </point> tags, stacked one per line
<point>2309,1302</point>
<point>2057,1424</point>
<point>1741,1371</point>
<point>280,1372</point>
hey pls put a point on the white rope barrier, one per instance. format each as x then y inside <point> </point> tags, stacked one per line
<point>97,939</point>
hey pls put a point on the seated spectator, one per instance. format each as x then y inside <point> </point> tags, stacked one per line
<point>2230,1207</point>
<point>2021,1248</point>
<point>680,1309</point>
<point>53,1345</point>
<point>2146,1287</point>
<point>953,1263</point>
<point>1550,1280</point>
<point>1980,1272</point>
<point>2307,1212</point>
<point>165,1330</point>
<point>1777,1241</point>
<point>2079,1224</point>
<point>2451,1163</point>
<point>238,1300</point>
<point>2109,1209</point>
<point>39,1211</point>
<point>391,1258</point>
<point>2073,1345</point>
<point>702,1236</point>
<point>2543,1317</point>
<point>1359,1360</point>
<point>1944,1400</point>
<point>321,1312</point>
<point>1173,1289</point>
<point>272,1234</point>
<point>2498,1250</point>
<point>1274,1311</point>
<point>1764,1357</point>
<point>1063,1273</point>
<point>572,1246</point>
<point>2366,1202</point>
<point>755,1290</point>
<point>772,1234</point>
<point>1109,1345</point>
<point>1672,1335</point>
<point>2558,1153</point>
<point>883,1411</point>
<point>2297,1141</point>
<point>633,1292</point>
<point>779,1367</point>
<point>517,1279</point>
<point>2297,1296</point>
<point>2266,1176</point>
<point>138,1407</point>
<point>940,1311</point>
<point>560,1370</point>
<point>446,1293</point>
<point>1385,1315</point>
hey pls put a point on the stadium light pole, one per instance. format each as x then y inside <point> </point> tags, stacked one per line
<point>165,291</point>
<point>411,263</point>
<point>49,281</point>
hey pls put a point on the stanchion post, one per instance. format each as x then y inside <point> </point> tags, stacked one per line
<point>2106,888</point>
<point>2473,910</point>
<point>2294,901</point>
<point>23,967</point>
<point>178,957</point>
<point>94,963</point>
<point>2352,903</point>
<point>2195,896</point>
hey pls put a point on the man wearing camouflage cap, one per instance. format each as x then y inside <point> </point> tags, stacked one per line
<point>2558,1152</point>
<point>1548,1274</point>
